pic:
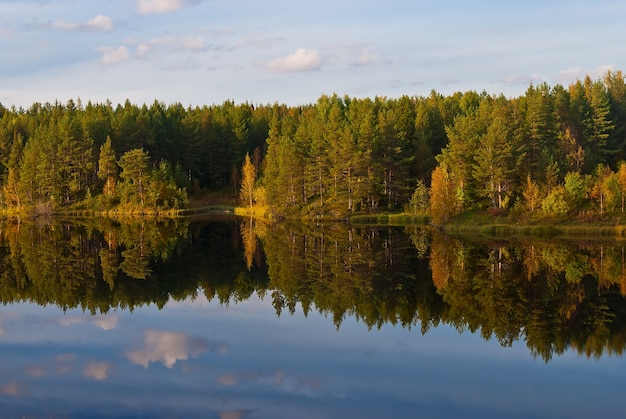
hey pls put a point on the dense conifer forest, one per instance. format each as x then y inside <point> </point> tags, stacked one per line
<point>554,151</point>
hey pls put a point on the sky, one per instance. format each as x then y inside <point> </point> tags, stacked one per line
<point>203,52</point>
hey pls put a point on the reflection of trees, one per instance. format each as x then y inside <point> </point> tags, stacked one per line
<point>554,295</point>
<point>82,264</point>
<point>249,240</point>
<point>371,273</point>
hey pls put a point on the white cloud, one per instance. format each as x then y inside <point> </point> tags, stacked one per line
<point>102,23</point>
<point>113,55</point>
<point>514,79</point>
<point>571,72</point>
<point>365,58</point>
<point>99,371</point>
<point>147,7</point>
<point>168,348</point>
<point>570,75</point>
<point>173,44</point>
<point>97,24</point>
<point>602,70</point>
<point>258,40</point>
<point>301,60</point>
<point>142,50</point>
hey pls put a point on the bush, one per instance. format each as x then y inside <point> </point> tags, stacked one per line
<point>554,203</point>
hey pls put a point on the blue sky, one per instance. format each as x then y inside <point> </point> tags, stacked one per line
<point>206,51</point>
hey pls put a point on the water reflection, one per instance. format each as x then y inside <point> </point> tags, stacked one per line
<point>235,319</point>
<point>552,295</point>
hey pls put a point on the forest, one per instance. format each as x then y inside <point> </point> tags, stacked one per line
<point>553,152</point>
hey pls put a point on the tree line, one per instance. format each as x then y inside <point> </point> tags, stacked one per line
<point>68,156</point>
<point>554,150</point>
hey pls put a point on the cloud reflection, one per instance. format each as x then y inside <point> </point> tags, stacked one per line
<point>12,389</point>
<point>36,371</point>
<point>104,322</point>
<point>64,363</point>
<point>99,371</point>
<point>234,414</point>
<point>169,347</point>
<point>278,379</point>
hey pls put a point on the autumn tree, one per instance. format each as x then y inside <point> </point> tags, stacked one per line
<point>531,194</point>
<point>248,178</point>
<point>621,181</point>
<point>602,187</point>
<point>443,200</point>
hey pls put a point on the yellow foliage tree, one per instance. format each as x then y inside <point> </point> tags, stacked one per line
<point>248,178</point>
<point>443,199</point>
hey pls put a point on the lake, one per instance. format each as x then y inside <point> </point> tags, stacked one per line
<point>228,318</point>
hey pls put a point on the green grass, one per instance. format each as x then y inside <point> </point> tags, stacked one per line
<point>536,225</point>
<point>400,219</point>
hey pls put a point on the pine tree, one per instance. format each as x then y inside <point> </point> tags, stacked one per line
<point>494,162</point>
<point>107,167</point>
<point>135,172</point>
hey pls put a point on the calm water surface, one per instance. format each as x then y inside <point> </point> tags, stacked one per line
<point>231,320</point>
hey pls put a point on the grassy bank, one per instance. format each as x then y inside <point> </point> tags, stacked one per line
<point>536,225</point>
<point>401,219</point>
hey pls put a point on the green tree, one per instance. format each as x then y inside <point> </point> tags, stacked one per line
<point>10,189</point>
<point>575,188</point>
<point>495,162</point>
<point>107,167</point>
<point>420,201</point>
<point>555,203</point>
<point>135,172</point>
